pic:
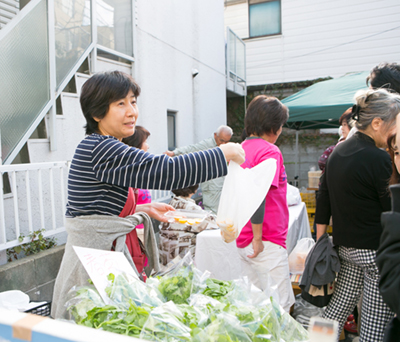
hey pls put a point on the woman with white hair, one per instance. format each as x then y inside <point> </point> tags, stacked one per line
<point>354,190</point>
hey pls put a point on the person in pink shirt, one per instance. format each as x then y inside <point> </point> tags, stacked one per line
<point>262,241</point>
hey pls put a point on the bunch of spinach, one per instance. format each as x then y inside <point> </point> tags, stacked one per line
<point>177,288</point>
<point>84,299</point>
<point>121,321</point>
<point>165,324</point>
<point>217,288</point>
<point>218,311</point>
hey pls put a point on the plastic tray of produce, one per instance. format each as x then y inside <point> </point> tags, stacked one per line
<point>190,217</point>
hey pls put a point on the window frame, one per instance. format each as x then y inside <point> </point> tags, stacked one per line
<point>172,114</point>
<point>280,14</point>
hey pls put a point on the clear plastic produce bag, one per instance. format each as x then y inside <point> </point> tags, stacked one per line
<point>80,300</point>
<point>242,194</point>
<point>303,311</point>
<point>224,328</point>
<point>124,288</point>
<point>297,257</point>
<point>192,316</point>
<point>176,285</point>
<point>165,324</point>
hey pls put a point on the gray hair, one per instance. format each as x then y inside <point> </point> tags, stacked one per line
<point>224,128</point>
<point>378,103</point>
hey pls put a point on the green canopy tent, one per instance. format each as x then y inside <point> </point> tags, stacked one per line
<point>322,104</point>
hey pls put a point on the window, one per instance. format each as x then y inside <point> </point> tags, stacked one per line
<point>264,18</point>
<point>234,2</point>
<point>171,127</point>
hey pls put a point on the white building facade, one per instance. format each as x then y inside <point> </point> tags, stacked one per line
<point>297,40</point>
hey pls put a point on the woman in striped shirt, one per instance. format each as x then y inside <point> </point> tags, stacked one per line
<point>104,170</point>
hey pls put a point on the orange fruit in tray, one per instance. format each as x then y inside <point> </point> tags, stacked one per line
<point>197,221</point>
<point>182,220</point>
<point>191,222</point>
<point>177,218</point>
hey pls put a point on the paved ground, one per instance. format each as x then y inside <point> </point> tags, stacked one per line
<point>350,337</point>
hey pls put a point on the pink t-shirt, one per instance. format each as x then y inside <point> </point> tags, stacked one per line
<point>144,196</point>
<point>276,216</point>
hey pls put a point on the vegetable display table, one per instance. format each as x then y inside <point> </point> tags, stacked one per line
<point>222,259</point>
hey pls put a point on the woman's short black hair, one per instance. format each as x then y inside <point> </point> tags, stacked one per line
<point>138,138</point>
<point>385,75</point>
<point>186,191</point>
<point>100,90</point>
<point>265,114</point>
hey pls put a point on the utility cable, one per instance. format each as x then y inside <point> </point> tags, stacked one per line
<point>321,50</point>
<point>184,53</point>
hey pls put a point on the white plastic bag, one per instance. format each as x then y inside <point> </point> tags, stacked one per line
<point>293,195</point>
<point>242,194</point>
<point>297,257</point>
<point>14,300</point>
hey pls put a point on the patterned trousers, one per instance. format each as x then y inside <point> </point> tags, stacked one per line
<point>358,273</point>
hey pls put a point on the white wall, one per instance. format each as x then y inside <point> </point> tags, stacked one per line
<point>172,38</point>
<point>320,38</point>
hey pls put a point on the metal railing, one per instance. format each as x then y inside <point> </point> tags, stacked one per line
<point>37,200</point>
<point>8,10</point>
<point>41,48</point>
<point>235,63</point>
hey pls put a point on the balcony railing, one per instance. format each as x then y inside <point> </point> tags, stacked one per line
<point>36,199</point>
<point>235,64</point>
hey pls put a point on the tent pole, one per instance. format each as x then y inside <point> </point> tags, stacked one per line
<point>296,163</point>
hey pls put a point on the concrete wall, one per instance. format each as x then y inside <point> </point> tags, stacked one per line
<point>319,38</point>
<point>307,157</point>
<point>35,275</point>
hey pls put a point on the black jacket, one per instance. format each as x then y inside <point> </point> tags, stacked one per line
<point>388,261</point>
<point>322,264</point>
<point>354,190</point>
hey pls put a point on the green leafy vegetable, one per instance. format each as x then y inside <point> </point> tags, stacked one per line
<point>126,322</point>
<point>197,310</point>
<point>176,288</point>
<point>217,288</point>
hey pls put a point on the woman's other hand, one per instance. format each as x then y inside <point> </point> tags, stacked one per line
<point>258,247</point>
<point>233,151</point>
<point>156,210</point>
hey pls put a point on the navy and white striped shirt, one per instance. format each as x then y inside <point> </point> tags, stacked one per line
<point>103,168</point>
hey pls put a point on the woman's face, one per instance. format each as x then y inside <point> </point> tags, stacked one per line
<point>345,129</point>
<point>121,117</point>
<point>397,144</point>
<point>145,146</point>
<point>396,157</point>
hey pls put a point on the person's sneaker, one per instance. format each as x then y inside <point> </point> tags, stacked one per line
<point>351,327</point>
